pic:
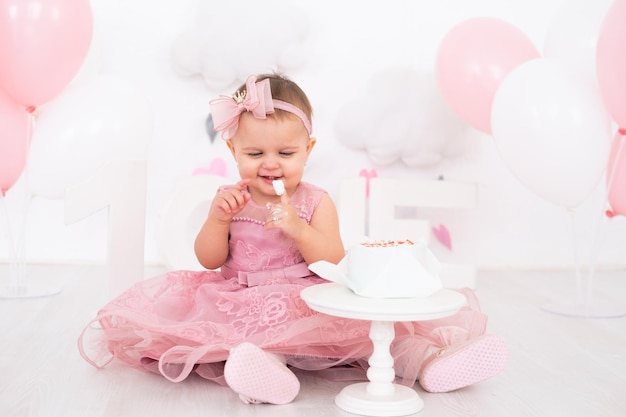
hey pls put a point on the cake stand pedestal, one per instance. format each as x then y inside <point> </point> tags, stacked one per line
<point>380,396</point>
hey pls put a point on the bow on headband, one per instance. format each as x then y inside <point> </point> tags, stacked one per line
<point>257,99</point>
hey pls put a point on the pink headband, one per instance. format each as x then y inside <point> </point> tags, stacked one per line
<point>257,99</point>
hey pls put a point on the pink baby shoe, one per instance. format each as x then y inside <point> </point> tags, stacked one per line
<point>259,377</point>
<point>454,367</point>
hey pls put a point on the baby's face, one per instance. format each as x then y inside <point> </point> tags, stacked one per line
<point>270,149</point>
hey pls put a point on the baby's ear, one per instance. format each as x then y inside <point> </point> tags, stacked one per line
<point>310,145</point>
<point>230,145</point>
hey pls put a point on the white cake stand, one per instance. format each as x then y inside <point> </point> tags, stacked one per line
<point>380,396</point>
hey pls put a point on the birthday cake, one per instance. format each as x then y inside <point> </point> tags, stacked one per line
<point>385,269</point>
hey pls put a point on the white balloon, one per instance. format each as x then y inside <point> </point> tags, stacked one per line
<point>88,124</point>
<point>552,130</point>
<point>573,34</point>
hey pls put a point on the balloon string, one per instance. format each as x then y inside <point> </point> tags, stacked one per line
<point>14,279</point>
<point>596,225</point>
<point>616,158</point>
<point>592,260</point>
<point>21,242</point>
<point>17,246</point>
<point>579,286</point>
<point>595,232</point>
<point>20,250</point>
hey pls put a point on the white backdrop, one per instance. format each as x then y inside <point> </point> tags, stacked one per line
<point>336,51</point>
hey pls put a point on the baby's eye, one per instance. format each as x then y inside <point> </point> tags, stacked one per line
<point>286,153</point>
<point>255,154</point>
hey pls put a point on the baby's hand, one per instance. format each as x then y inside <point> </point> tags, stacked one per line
<point>284,217</point>
<point>229,201</point>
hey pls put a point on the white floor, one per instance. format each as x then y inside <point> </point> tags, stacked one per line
<point>559,365</point>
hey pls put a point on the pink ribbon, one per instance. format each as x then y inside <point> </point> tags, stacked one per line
<point>254,278</point>
<point>372,173</point>
<point>226,110</point>
<point>257,100</point>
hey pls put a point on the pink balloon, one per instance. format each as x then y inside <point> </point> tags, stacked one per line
<point>14,141</point>
<point>472,60</point>
<point>42,46</point>
<point>611,61</point>
<point>616,176</point>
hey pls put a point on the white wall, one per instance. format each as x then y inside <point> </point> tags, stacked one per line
<point>347,43</point>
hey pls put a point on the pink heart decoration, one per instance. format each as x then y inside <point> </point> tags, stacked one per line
<point>443,235</point>
<point>216,167</point>
<point>368,175</point>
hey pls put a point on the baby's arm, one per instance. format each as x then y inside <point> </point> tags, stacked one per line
<point>321,239</point>
<point>211,245</point>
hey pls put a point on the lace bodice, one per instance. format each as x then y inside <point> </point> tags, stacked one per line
<point>252,248</point>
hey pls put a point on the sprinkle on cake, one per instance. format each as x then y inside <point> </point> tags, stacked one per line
<point>386,243</point>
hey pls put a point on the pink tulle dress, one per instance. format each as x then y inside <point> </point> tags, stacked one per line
<point>187,321</point>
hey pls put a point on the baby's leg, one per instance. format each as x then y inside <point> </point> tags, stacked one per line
<point>464,363</point>
<point>450,353</point>
<point>260,377</point>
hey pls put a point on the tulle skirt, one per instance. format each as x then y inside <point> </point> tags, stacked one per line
<point>187,321</point>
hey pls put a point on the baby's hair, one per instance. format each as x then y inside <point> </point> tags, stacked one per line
<point>286,90</point>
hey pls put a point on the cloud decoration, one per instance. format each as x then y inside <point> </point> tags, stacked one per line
<point>235,38</point>
<point>401,116</point>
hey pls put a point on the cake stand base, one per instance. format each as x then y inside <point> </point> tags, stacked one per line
<point>356,399</point>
